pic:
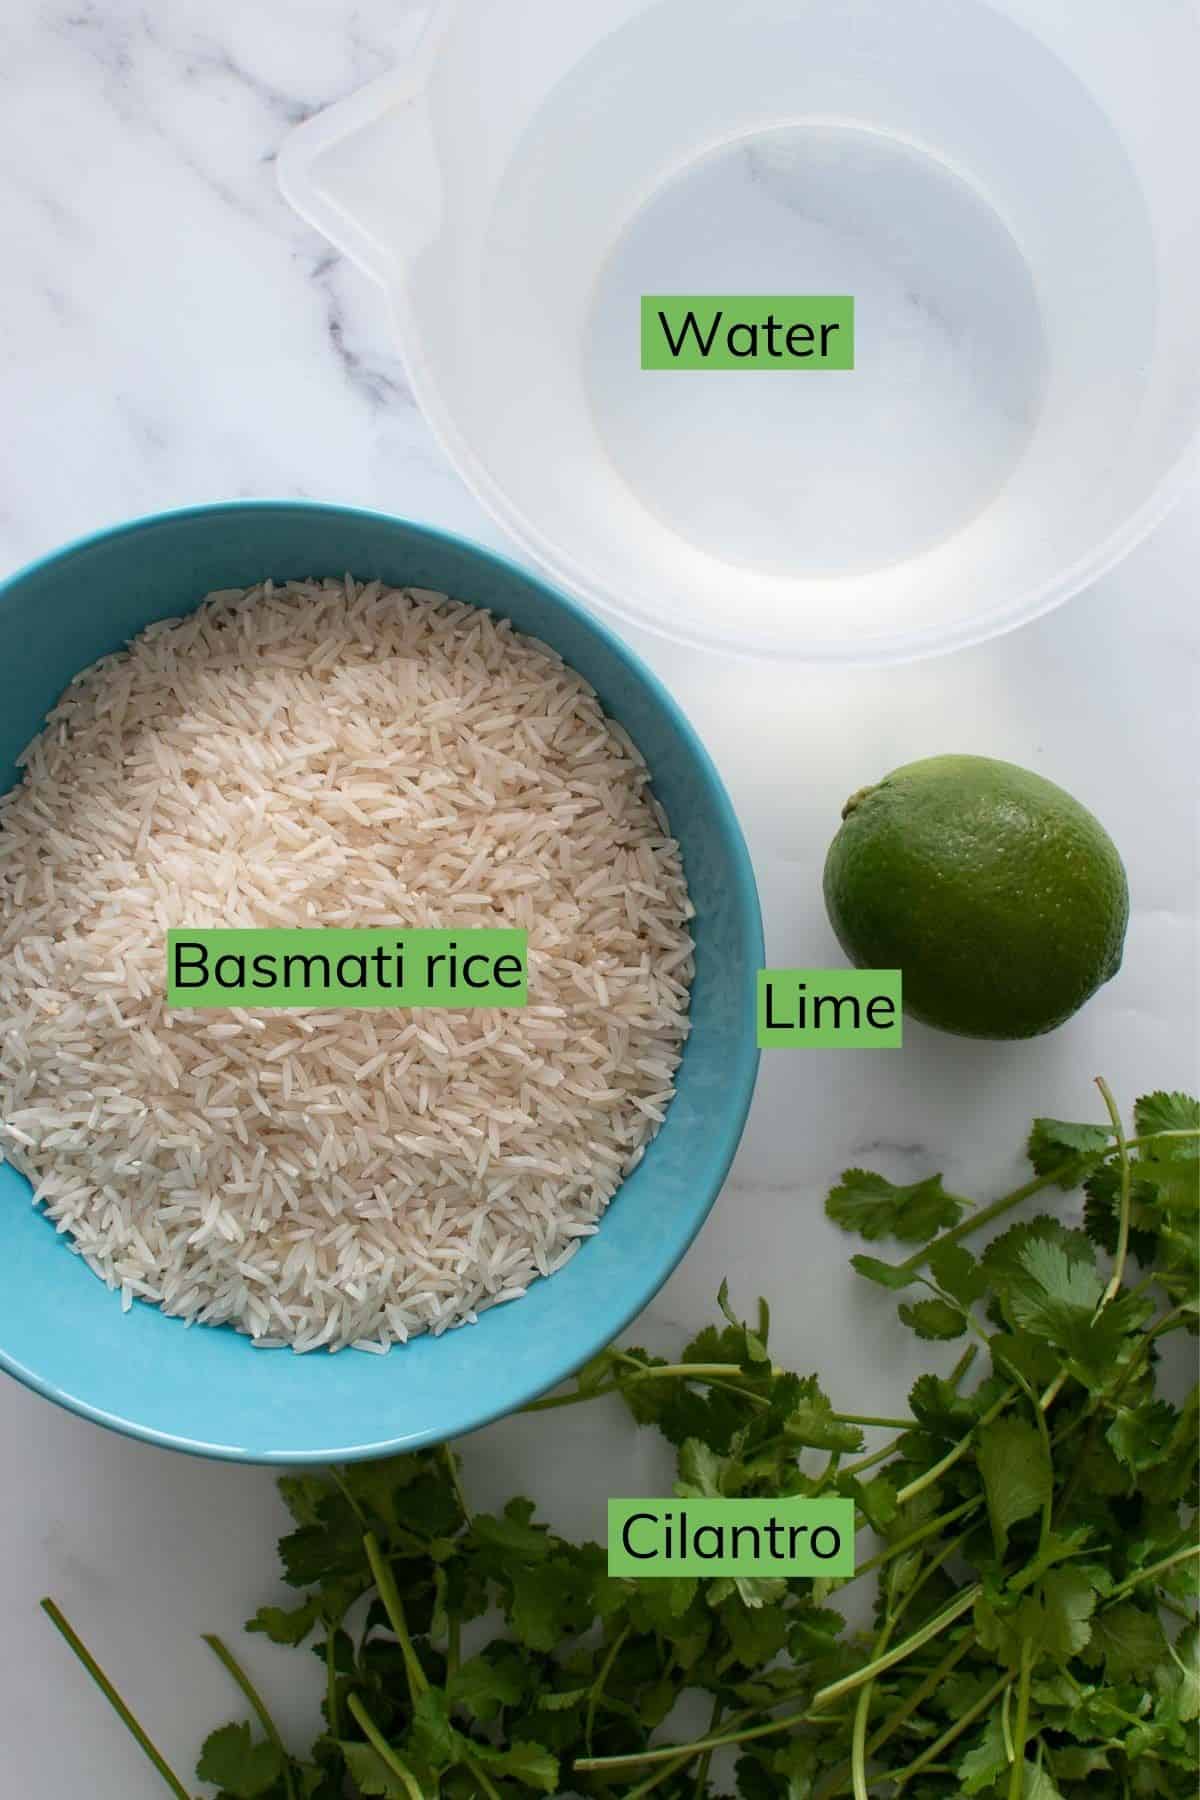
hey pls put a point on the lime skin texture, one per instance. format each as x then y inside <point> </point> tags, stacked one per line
<point>1001,898</point>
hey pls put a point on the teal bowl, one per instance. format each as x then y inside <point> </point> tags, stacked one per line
<point>205,1389</point>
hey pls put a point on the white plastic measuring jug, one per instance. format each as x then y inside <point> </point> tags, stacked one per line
<point>1007,191</point>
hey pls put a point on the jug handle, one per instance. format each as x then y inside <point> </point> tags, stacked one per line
<point>364,171</point>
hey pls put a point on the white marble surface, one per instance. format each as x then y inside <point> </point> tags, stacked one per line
<point>170,333</point>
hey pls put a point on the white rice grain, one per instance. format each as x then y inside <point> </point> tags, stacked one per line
<point>324,753</point>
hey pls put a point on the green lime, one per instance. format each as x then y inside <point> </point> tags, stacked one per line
<point>1002,899</point>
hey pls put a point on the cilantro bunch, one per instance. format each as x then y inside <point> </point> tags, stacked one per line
<point>1029,1536</point>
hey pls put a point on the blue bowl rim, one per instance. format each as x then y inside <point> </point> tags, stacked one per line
<point>748,898</point>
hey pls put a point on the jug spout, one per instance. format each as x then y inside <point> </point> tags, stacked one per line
<point>365,171</point>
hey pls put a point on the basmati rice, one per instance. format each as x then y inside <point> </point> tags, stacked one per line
<point>329,753</point>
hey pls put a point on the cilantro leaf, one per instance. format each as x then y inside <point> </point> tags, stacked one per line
<point>302,1495</point>
<point>888,1275</point>
<point>813,1631</point>
<point>1037,1783</point>
<point>957,1273</point>
<point>701,1471</point>
<point>1003,1259</point>
<point>1128,1641</point>
<point>1169,1112</point>
<point>233,1762</point>
<point>1058,1547</point>
<point>680,1410</point>
<point>560,1699</point>
<point>1186,1656</point>
<point>370,1774</point>
<point>1054,1617</point>
<point>531,1765</point>
<point>753,1343</point>
<point>512,1534</point>
<point>1075,1762</point>
<point>327,1549</point>
<point>1069,1595</point>
<point>1173,1185</point>
<point>757,1634</point>
<point>435,1739</point>
<point>1054,1143</point>
<point>1032,1358</point>
<point>1052,1291</point>
<point>1050,1279</point>
<point>287,1625</point>
<point>487,1683</point>
<point>933,1319</point>
<point>875,1207</point>
<point>1141,1435</point>
<point>1100,1214</point>
<point>810,1420</point>
<point>550,1602</point>
<point>875,1499</point>
<point>986,1759</point>
<point>1017,1476</point>
<point>939,1408</point>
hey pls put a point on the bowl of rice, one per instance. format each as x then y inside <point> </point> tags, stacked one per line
<point>313,1234</point>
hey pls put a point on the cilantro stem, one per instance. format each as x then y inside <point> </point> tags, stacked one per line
<point>659,1776</point>
<point>549,1402</point>
<point>920,1693</point>
<point>938,1469</point>
<point>1122,1251</point>
<point>858,1745</point>
<point>1039,1418</point>
<point>834,1691</point>
<point>1016,1779</point>
<point>907,1425</point>
<point>477,1771</point>
<point>928,1529</point>
<point>869,1462</point>
<point>683,1753</point>
<point>930,1570</point>
<point>895,1720</point>
<point>597,1687</point>
<point>331,1701</point>
<point>962,1723</point>
<point>862,1713</point>
<point>603,1765</point>
<point>394,1608</point>
<point>866,1419</point>
<point>224,1655</point>
<point>1075,1167</point>
<point>821,1699</point>
<point>383,1749</point>
<point>725,1376</point>
<point>81,1651</point>
<point>1170,1321</point>
<point>347,1493</point>
<point>996,1209</point>
<point>1155,1137</point>
<point>714,1719</point>
<point>1006,1722</point>
<point>451,1462</point>
<point>1053,1391</point>
<point>932,1628</point>
<point>1150,1574</point>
